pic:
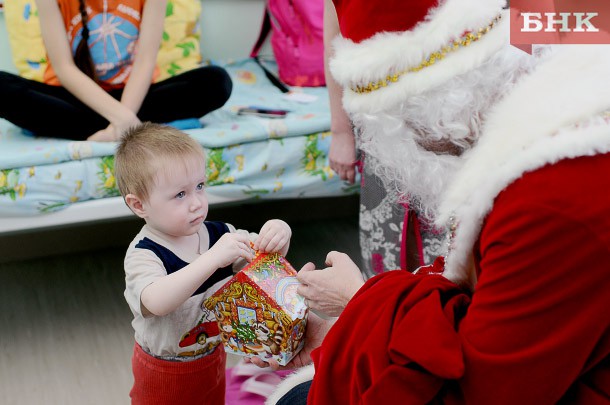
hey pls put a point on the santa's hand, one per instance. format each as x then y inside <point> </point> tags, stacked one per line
<point>329,290</point>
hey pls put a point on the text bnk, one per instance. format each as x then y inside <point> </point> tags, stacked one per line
<point>581,22</point>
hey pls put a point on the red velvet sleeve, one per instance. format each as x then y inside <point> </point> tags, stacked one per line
<point>537,329</point>
<point>395,340</point>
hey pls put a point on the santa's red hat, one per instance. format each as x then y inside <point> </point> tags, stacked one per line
<point>393,49</point>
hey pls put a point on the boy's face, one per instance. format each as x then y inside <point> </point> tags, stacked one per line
<point>177,203</point>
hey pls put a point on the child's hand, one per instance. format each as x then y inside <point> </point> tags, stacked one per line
<point>107,134</point>
<point>273,237</point>
<point>115,131</point>
<point>229,248</point>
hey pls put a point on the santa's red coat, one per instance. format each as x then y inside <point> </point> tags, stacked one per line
<point>535,331</point>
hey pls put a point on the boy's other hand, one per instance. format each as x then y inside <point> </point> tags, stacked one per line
<point>273,237</point>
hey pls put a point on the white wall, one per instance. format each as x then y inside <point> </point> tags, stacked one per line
<point>229,29</point>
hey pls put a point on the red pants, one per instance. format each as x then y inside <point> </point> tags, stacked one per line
<point>163,382</point>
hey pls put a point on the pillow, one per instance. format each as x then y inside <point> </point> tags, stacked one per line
<point>29,55</point>
<point>179,49</point>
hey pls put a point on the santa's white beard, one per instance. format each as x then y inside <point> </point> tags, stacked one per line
<point>447,119</point>
<point>419,176</point>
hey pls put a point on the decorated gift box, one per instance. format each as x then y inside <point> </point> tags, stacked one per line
<point>259,312</point>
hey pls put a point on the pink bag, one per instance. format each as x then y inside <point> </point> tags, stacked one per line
<point>296,39</point>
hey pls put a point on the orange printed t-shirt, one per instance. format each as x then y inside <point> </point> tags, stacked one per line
<point>114,27</point>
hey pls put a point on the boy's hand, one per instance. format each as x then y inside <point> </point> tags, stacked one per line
<point>229,248</point>
<point>273,237</point>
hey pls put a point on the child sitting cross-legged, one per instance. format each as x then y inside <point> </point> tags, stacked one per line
<point>176,261</point>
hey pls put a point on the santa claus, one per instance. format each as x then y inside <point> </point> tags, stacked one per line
<point>509,150</point>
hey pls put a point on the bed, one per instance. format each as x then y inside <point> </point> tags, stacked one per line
<point>50,182</point>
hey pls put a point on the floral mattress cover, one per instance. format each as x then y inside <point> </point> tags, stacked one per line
<point>248,157</point>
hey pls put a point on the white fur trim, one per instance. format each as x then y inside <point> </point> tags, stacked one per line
<point>299,376</point>
<point>374,58</point>
<point>530,128</point>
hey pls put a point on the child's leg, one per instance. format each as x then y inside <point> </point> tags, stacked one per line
<point>157,381</point>
<point>189,95</point>
<point>50,111</point>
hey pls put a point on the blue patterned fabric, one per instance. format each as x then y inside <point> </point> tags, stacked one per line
<point>248,157</point>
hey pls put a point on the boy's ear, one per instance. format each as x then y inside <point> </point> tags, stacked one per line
<point>135,204</point>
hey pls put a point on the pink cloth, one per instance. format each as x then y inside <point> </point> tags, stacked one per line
<point>248,384</point>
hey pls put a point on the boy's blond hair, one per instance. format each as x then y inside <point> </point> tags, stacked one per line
<point>145,150</point>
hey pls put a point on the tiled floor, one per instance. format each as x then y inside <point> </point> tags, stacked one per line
<point>65,333</point>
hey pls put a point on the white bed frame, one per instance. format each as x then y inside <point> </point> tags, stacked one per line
<point>78,213</point>
<point>217,42</point>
